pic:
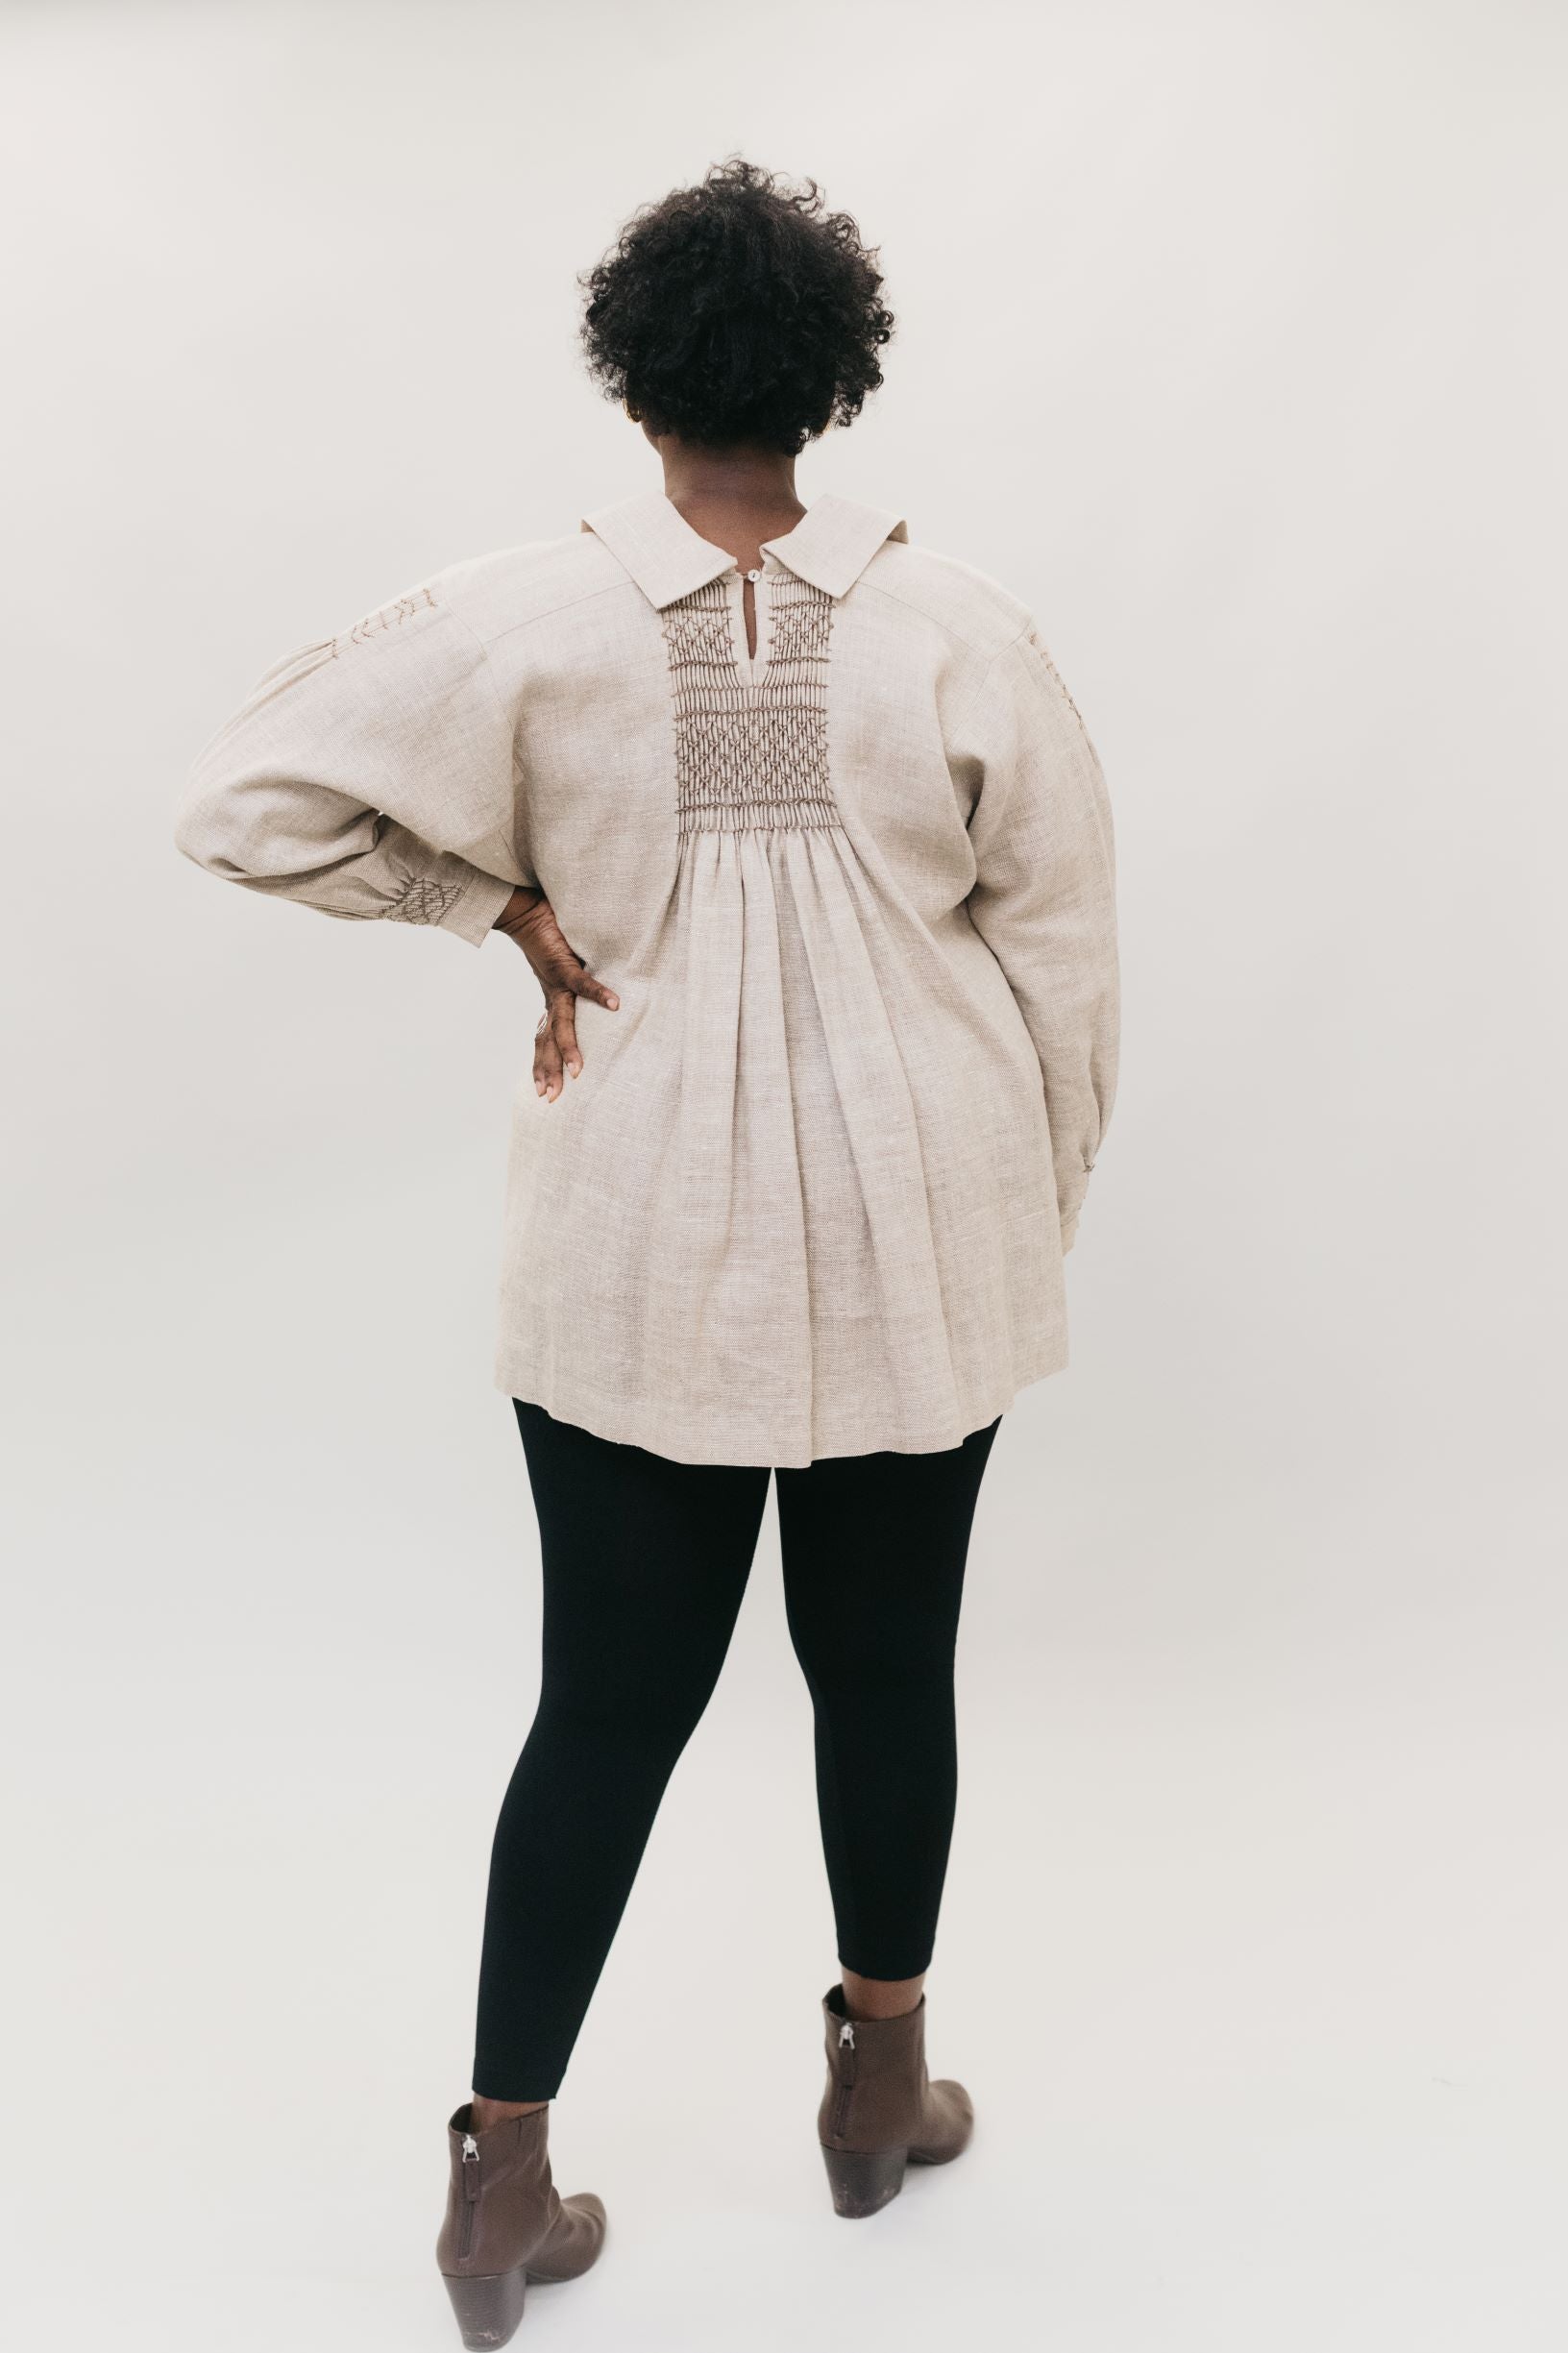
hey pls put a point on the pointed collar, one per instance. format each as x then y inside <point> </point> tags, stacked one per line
<point>830,545</point>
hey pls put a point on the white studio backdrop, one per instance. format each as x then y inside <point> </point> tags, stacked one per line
<point>1230,337</point>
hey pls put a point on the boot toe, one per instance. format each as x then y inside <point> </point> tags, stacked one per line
<point>950,2123</point>
<point>574,2242</point>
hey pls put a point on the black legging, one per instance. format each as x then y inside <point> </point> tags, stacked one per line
<point>645,1566</point>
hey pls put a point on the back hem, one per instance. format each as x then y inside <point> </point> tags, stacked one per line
<point>627,1422</point>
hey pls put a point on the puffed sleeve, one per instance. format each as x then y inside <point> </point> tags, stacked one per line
<point>1044,897</point>
<point>370,777</point>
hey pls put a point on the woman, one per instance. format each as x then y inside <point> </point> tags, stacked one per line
<point>816,802</point>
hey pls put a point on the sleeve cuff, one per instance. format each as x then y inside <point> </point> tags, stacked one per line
<point>472,913</point>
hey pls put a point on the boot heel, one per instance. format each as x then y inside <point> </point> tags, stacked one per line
<point>862,2184</point>
<point>488,2310</point>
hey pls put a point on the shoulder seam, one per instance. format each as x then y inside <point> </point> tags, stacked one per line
<point>911,605</point>
<point>980,684</point>
<point>546,612</point>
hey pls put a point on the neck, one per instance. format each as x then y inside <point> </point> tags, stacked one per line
<point>740,482</point>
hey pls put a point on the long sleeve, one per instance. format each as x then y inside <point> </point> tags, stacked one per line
<point>369,777</point>
<point>1044,897</point>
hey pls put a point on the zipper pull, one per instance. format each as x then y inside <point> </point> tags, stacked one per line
<point>847,2034</point>
<point>471,2167</point>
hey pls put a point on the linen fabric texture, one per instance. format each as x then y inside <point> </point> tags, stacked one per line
<point>812,1192</point>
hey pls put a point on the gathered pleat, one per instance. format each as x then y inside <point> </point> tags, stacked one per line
<point>888,1254</point>
<point>798,1193</point>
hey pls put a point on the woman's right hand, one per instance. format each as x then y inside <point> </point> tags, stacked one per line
<point>529,919</point>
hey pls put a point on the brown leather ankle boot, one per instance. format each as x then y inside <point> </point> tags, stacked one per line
<point>880,2111</point>
<point>506,2223</point>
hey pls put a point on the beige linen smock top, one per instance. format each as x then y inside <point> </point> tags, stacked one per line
<point>811,1193</point>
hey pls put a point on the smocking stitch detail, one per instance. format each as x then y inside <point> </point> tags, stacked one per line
<point>422,901</point>
<point>750,754</point>
<point>389,617</point>
<point>1043,650</point>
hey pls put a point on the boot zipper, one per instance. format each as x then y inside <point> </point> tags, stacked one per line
<point>847,2079</point>
<point>471,2191</point>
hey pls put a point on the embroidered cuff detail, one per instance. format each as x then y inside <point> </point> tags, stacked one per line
<point>422,901</point>
<point>467,908</point>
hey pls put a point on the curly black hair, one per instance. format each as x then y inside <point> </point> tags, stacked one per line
<point>737,311</point>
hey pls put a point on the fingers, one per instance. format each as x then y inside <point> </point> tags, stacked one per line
<point>546,1060</point>
<point>556,1055</point>
<point>565,972</point>
<point>551,954</point>
<point>564,1023</point>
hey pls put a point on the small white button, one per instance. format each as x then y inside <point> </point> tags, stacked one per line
<point>754,575</point>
